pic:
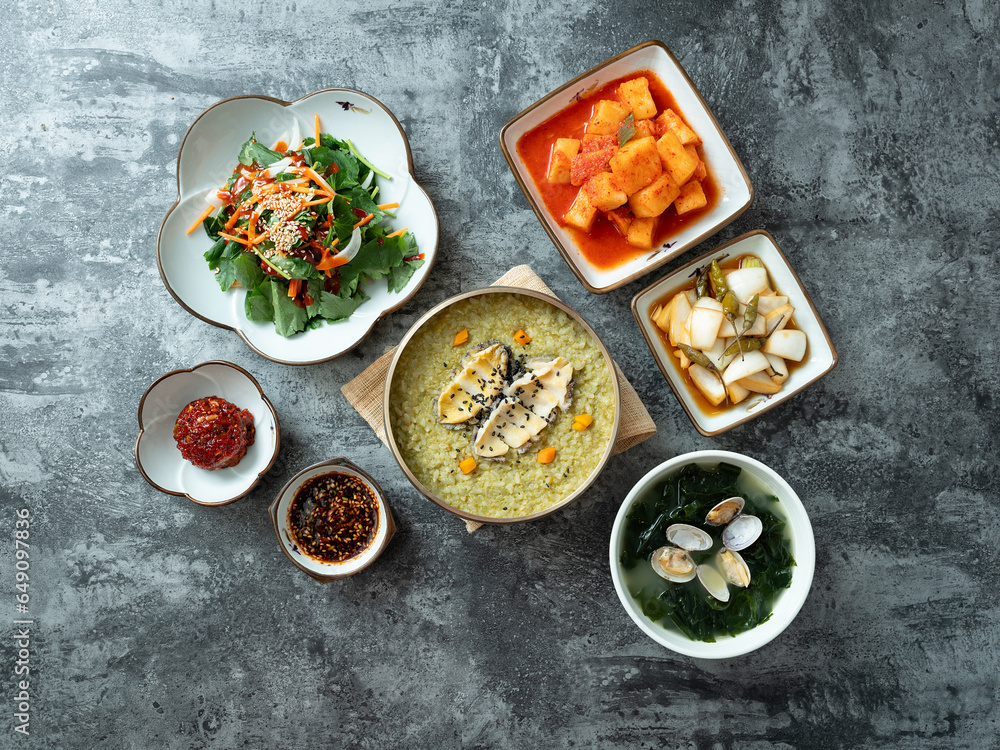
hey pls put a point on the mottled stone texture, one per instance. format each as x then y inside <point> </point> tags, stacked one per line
<point>870,132</point>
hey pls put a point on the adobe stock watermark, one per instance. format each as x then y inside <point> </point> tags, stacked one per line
<point>22,625</point>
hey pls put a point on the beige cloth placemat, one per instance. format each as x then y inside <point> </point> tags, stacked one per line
<point>365,392</point>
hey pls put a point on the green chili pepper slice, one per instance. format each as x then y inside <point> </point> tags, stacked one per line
<point>715,275</point>
<point>699,358</point>
<point>750,316</point>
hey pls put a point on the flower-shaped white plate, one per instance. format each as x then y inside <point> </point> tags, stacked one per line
<point>207,157</point>
<point>821,356</point>
<point>724,166</point>
<point>156,452</point>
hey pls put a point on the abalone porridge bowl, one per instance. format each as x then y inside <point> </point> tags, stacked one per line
<point>501,405</point>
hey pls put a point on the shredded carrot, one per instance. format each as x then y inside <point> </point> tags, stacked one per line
<point>261,237</point>
<point>293,287</point>
<point>317,130</point>
<point>522,338</point>
<point>468,465</point>
<point>547,455</point>
<point>316,203</point>
<point>200,219</point>
<point>234,239</point>
<point>332,262</point>
<point>364,221</point>
<point>233,219</point>
<point>397,232</point>
<point>461,337</point>
<point>384,206</point>
<point>320,181</point>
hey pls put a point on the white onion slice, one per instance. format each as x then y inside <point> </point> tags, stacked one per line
<point>213,199</point>
<point>278,167</point>
<point>352,248</point>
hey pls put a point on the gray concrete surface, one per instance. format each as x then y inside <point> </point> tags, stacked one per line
<point>870,132</point>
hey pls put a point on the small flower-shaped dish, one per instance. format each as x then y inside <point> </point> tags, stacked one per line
<point>324,572</point>
<point>207,157</point>
<point>821,356</point>
<point>798,530</point>
<point>156,453</point>
<point>735,192</point>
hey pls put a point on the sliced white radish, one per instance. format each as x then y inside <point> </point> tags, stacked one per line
<point>779,318</point>
<point>787,344</point>
<point>766,304</point>
<point>779,367</point>
<point>757,329</point>
<point>746,282</point>
<point>708,383</point>
<point>661,316</point>
<point>759,382</point>
<point>678,317</point>
<point>736,392</point>
<point>692,296</point>
<point>718,356</point>
<point>682,308</point>
<point>706,317</point>
<point>745,365</point>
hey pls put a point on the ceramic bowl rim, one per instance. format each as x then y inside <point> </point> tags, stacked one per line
<point>785,611</point>
<point>437,309</point>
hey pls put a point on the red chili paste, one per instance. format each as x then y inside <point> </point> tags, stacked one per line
<point>213,434</point>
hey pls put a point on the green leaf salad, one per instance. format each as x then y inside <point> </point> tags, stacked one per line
<point>300,231</point>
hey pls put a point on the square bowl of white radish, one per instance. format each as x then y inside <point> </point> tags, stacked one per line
<point>734,332</point>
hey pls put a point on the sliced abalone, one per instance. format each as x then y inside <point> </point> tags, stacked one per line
<point>509,425</point>
<point>475,383</point>
<point>673,563</point>
<point>725,511</point>
<point>546,385</point>
<point>688,537</point>
<point>713,582</point>
<point>733,567</point>
<point>741,532</point>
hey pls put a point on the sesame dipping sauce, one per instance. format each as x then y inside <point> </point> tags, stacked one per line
<point>333,517</point>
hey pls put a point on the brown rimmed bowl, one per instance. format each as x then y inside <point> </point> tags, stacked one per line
<point>206,159</point>
<point>156,454</point>
<point>735,193</point>
<point>821,356</point>
<point>395,371</point>
<point>324,572</point>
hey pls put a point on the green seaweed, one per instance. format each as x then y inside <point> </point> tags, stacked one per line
<point>685,498</point>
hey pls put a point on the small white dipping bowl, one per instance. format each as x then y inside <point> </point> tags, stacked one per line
<point>324,572</point>
<point>788,603</point>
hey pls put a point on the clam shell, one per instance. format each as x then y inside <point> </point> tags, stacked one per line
<point>689,537</point>
<point>713,582</point>
<point>741,532</point>
<point>725,511</point>
<point>733,567</point>
<point>673,563</point>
